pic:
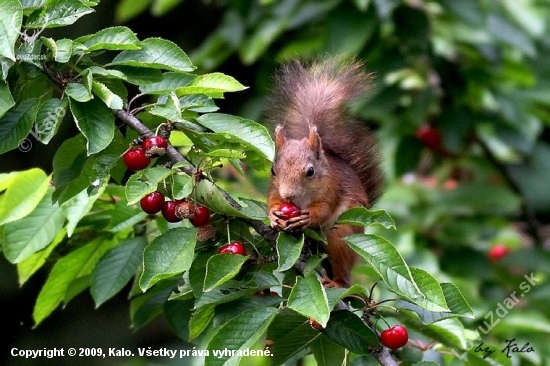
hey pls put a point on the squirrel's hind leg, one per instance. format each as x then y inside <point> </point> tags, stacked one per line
<point>342,258</point>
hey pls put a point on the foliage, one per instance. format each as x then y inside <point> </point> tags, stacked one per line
<point>471,69</point>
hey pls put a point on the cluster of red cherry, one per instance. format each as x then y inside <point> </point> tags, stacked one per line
<point>139,158</point>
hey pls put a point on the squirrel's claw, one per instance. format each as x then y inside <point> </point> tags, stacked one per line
<point>298,223</point>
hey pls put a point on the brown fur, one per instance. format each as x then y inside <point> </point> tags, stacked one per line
<point>318,95</point>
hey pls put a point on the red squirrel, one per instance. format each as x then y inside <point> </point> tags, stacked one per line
<point>326,161</point>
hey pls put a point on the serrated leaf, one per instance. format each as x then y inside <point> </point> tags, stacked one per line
<point>16,124</point>
<point>455,301</point>
<point>200,320</point>
<point>78,92</point>
<point>156,53</point>
<point>133,75</point>
<point>212,197</point>
<point>6,99</point>
<point>33,232</point>
<point>290,333</point>
<point>388,263</point>
<point>170,82</point>
<point>429,286</point>
<point>11,18</point>
<point>365,217</point>
<point>220,268</point>
<point>63,50</point>
<point>182,186</point>
<point>113,38</point>
<point>289,249</point>
<point>24,192</point>
<point>78,206</point>
<point>328,353</point>
<point>116,268</point>
<point>26,268</point>
<point>239,334</point>
<point>212,85</point>
<point>308,298</point>
<point>168,254</point>
<point>124,216</point>
<point>144,182</point>
<point>336,294</point>
<point>146,307</point>
<point>348,330</point>
<point>111,100</point>
<point>74,265</point>
<point>58,13</point>
<point>251,135</point>
<point>96,122</point>
<point>49,117</point>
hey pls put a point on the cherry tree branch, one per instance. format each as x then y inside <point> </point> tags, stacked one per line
<point>265,231</point>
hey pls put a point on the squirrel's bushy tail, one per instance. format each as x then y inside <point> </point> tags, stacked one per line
<point>318,95</point>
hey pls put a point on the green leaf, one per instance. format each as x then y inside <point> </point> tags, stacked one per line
<point>146,307</point>
<point>6,99</point>
<point>290,333</point>
<point>113,38</point>
<point>182,186</point>
<point>77,264</point>
<point>212,85</point>
<point>361,216</point>
<point>24,192</point>
<point>239,334</point>
<point>111,100</point>
<point>455,301</point>
<point>29,266</point>
<point>49,117</point>
<point>250,135</point>
<point>78,92</point>
<point>128,9</point>
<point>200,320</point>
<point>388,263</point>
<point>78,206</point>
<point>58,13</point>
<point>133,75</point>
<point>144,182</point>
<point>168,254</point>
<point>170,81</point>
<point>309,299</point>
<point>328,353</point>
<point>11,18</point>
<point>16,124</point>
<point>336,294</point>
<point>156,53</point>
<point>34,232</point>
<point>116,268</point>
<point>96,122</point>
<point>211,196</point>
<point>434,298</point>
<point>124,216</point>
<point>348,330</point>
<point>289,249</point>
<point>220,268</point>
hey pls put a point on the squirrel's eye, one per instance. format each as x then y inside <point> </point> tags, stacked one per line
<point>272,171</point>
<point>310,171</point>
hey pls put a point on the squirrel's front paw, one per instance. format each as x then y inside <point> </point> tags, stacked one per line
<point>300,221</point>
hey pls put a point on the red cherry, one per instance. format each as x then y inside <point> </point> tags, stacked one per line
<point>135,159</point>
<point>152,203</point>
<point>394,337</point>
<point>169,211</point>
<point>289,210</point>
<point>233,248</point>
<point>155,146</point>
<point>497,252</point>
<point>201,217</point>
<point>430,137</point>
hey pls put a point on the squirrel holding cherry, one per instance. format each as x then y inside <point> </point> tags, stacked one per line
<point>326,161</point>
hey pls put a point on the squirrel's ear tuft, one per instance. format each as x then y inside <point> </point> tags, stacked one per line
<point>314,141</point>
<point>279,136</point>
